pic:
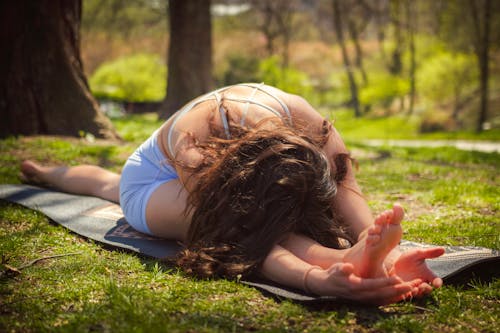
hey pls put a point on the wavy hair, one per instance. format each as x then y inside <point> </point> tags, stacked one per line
<point>253,190</point>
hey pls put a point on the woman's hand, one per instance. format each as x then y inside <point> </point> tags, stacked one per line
<point>411,265</point>
<point>340,280</point>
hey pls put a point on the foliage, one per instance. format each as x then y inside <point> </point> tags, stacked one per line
<point>288,79</point>
<point>124,18</point>
<point>383,89</point>
<point>137,78</point>
<point>240,68</point>
<point>447,75</point>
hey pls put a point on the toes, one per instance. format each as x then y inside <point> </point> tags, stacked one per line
<point>383,218</point>
<point>29,168</point>
<point>397,214</point>
<point>380,220</point>
<point>375,230</point>
<point>389,216</point>
<point>372,239</point>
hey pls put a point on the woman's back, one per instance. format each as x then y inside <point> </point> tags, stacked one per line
<point>234,106</point>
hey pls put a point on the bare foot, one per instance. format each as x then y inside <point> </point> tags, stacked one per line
<point>32,173</point>
<point>369,253</point>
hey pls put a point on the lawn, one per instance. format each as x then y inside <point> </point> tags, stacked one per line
<point>451,197</point>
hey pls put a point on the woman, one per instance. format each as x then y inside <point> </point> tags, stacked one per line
<point>254,181</point>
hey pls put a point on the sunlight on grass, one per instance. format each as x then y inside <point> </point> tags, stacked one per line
<point>394,127</point>
<point>137,128</point>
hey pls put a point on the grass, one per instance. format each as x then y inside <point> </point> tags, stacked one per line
<point>451,198</point>
<point>396,127</point>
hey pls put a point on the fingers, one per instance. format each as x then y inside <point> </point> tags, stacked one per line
<point>346,269</point>
<point>356,283</point>
<point>430,253</point>
<point>378,291</point>
<point>437,282</point>
<point>390,294</point>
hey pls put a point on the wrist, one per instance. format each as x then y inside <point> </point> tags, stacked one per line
<point>310,280</point>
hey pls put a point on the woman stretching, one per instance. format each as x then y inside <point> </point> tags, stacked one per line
<point>254,181</point>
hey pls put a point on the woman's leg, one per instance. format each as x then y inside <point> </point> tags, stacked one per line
<point>375,245</point>
<point>82,179</point>
<point>312,252</point>
<point>166,211</point>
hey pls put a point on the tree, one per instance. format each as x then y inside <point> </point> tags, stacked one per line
<point>189,54</point>
<point>355,27</point>
<point>43,89</point>
<point>473,25</point>
<point>337,21</point>
<point>411,18</point>
<point>481,19</point>
<point>276,22</point>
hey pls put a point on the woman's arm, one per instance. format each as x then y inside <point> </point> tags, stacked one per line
<point>349,203</point>
<point>339,280</point>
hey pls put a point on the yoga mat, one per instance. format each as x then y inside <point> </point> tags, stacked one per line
<point>103,221</point>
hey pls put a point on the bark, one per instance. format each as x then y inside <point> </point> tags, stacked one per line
<point>189,54</point>
<point>411,16</point>
<point>43,89</point>
<point>276,24</point>
<point>482,25</point>
<point>347,63</point>
<point>353,31</point>
<point>396,65</point>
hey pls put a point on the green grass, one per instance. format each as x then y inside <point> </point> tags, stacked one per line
<point>451,198</point>
<point>396,127</point>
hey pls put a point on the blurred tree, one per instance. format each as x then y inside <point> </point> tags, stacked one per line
<point>411,24</point>
<point>357,19</point>
<point>43,89</point>
<point>473,25</point>
<point>189,54</point>
<point>449,78</point>
<point>276,22</point>
<point>116,28</point>
<point>123,18</point>
<point>481,20</point>
<point>338,11</point>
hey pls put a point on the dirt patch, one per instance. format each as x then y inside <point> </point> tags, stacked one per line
<point>413,206</point>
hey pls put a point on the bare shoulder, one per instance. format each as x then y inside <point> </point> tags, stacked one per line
<point>304,113</point>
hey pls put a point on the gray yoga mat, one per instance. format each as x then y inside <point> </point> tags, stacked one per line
<point>103,221</point>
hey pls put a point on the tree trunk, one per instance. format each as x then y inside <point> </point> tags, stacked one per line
<point>43,89</point>
<point>482,27</point>
<point>347,63</point>
<point>411,17</point>
<point>189,55</point>
<point>353,31</point>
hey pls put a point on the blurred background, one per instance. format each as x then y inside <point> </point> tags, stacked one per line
<point>362,58</point>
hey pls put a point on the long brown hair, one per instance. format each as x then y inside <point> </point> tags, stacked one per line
<point>253,190</point>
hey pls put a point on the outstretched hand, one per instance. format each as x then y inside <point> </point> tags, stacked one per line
<point>411,265</point>
<point>340,280</point>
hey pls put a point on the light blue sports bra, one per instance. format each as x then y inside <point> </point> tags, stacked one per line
<point>216,95</point>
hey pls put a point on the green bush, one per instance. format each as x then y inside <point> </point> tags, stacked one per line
<point>383,89</point>
<point>288,79</point>
<point>136,78</point>
<point>240,68</point>
<point>446,75</point>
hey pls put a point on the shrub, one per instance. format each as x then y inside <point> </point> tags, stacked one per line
<point>446,75</point>
<point>136,78</point>
<point>240,68</point>
<point>383,89</point>
<point>288,79</point>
